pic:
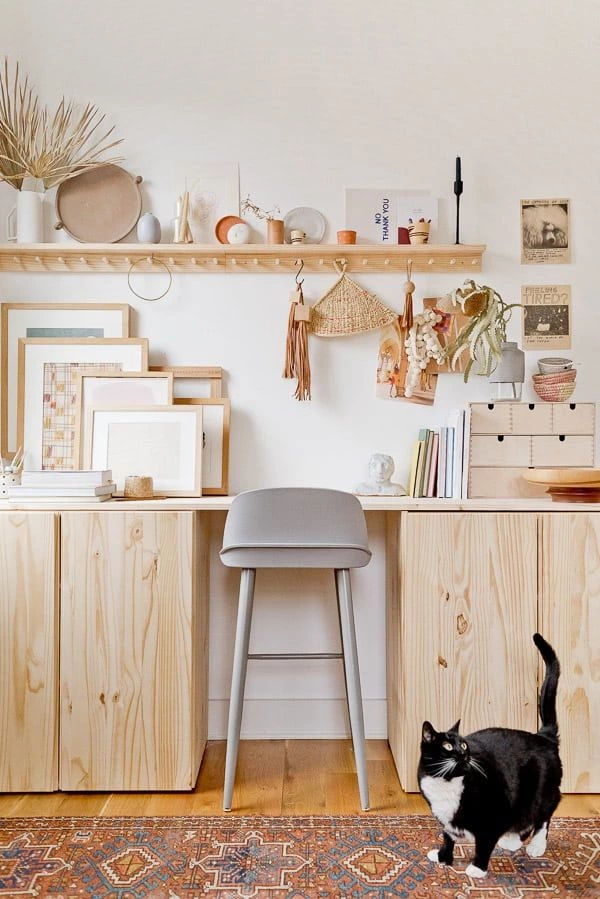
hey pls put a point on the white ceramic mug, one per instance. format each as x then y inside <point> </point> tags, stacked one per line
<point>25,221</point>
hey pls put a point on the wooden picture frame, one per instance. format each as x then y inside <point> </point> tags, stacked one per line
<point>94,387</point>
<point>37,356</point>
<point>56,320</point>
<point>164,442</point>
<point>211,373</point>
<point>215,450</point>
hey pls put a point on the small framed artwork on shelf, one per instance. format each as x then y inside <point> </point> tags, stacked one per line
<point>170,435</point>
<point>47,321</point>
<point>94,387</point>
<point>47,390</point>
<point>194,380</point>
<point>216,413</point>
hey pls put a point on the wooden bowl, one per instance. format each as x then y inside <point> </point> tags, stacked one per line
<point>568,485</point>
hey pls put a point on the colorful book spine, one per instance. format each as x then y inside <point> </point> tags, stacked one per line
<point>414,464</point>
<point>433,467</point>
<point>449,461</point>
<point>441,472</point>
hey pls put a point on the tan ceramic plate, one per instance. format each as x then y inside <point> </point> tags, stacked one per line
<point>563,477</point>
<point>99,206</point>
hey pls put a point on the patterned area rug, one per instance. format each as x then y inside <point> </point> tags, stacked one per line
<point>272,858</point>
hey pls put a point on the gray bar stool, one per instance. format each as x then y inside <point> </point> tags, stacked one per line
<point>295,527</point>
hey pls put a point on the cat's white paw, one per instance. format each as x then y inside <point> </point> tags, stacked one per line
<point>537,844</point>
<point>474,871</point>
<point>510,841</point>
<point>433,855</point>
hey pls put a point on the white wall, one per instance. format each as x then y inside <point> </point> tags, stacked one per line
<point>310,99</point>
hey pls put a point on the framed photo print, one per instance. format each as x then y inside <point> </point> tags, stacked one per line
<point>215,445</point>
<point>47,320</point>
<point>545,227</point>
<point>164,442</point>
<point>46,390</point>
<point>96,387</point>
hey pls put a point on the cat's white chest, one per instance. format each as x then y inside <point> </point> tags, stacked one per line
<point>443,796</point>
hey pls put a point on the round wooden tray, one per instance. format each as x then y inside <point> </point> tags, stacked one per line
<point>563,477</point>
<point>99,206</point>
<point>566,494</point>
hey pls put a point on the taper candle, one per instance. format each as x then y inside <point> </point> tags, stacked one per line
<point>458,178</point>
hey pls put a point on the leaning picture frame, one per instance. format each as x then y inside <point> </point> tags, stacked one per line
<point>95,387</point>
<point>171,437</point>
<point>46,320</point>
<point>45,393</point>
<point>190,378</point>
<point>215,446</point>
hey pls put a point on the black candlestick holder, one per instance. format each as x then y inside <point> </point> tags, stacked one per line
<point>458,189</point>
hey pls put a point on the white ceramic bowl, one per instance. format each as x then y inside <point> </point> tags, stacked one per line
<point>550,366</point>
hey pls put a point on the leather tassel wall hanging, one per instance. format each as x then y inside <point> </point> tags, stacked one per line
<point>297,363</point>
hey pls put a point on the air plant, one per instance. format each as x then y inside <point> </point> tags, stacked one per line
<point>50,148</point>
<point>485,333</point>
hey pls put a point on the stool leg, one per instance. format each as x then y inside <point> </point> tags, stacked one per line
<point>238,681</point>
<point>342,577</point>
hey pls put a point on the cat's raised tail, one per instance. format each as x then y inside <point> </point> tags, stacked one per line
<point>549,726</point>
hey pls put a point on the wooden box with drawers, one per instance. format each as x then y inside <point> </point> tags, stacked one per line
<point>507,438</point>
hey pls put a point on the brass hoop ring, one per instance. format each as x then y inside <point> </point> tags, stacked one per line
<point>153,260</point>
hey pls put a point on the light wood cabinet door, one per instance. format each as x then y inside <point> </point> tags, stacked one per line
<point>570,621</point>
<point>134,641</point>
<point>28,651</point>
<point>465,617</point>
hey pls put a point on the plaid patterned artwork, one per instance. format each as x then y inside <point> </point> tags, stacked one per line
<point>59,404</point>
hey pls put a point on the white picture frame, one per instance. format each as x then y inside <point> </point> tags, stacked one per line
<point>131,353</point>
<point>47,320</point>
<point>114,389</point>
<point>215,446</point>
<point>164,442</point>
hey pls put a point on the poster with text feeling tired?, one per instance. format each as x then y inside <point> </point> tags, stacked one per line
<point>546,316</point>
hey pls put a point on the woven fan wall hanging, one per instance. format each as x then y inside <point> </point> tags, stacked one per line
<point>347,308</point>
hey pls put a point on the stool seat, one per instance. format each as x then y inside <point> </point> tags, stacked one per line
<point>295,527</point>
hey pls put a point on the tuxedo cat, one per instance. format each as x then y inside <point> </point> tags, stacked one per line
<point>498,785</point>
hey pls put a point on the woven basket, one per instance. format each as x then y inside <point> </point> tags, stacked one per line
<point>555,388</point>
<point>347,308</point>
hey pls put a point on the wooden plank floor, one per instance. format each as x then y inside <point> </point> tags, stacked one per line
<point>274,777</point>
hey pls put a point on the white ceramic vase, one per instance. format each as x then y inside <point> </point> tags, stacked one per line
<point>25,221</point>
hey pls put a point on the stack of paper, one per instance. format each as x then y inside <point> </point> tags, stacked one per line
<point>64,486</point>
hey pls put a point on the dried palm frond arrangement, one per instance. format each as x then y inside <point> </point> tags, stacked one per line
<point>50,148</point>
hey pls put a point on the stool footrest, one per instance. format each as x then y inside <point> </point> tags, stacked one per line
<point>295,655</point>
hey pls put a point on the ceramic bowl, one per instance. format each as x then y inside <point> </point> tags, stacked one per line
<point>550,366</point>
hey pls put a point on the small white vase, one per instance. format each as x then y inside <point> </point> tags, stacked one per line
<point>25,221</point>
<point>148,228</point>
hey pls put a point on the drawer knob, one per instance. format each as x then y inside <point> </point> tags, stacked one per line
<point>500,438</point>
<point>562,438</point>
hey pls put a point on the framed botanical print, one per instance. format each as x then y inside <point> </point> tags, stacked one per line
<point>46,391</point>
<point>47,320</point>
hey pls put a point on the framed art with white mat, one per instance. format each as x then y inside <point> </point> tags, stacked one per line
<point>46,390</point>
<point>164,442</point>
<point>215,445</point>
<point>47,320</point>
<point>117,388</point>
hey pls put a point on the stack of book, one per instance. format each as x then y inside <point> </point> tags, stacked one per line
<point>439,465</point>
<point>63,486</point>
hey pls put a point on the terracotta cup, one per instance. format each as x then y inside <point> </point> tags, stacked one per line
<point>346,236</point>
<point>275,231</point>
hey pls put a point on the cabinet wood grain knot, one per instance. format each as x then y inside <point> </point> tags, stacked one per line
<point>442,662</point>
<point>102,698</point>
<point>116,697</point>
<point>446,597</point>
<point>461,624</point>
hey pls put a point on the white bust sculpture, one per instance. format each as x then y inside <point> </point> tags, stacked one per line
<point>381,469</point>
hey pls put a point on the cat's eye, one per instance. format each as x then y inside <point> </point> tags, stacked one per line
<point>463,745</point>
<point>447,746</point>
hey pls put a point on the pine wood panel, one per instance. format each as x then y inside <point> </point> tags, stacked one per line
<point>133,650</point>
<point>468,596</point>
<point>570,620</point>
<point>28,651</point>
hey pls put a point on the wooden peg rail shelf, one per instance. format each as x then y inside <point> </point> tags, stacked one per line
<point>261,258</point>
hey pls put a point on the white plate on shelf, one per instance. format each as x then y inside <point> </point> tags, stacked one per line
<point>303,218</point>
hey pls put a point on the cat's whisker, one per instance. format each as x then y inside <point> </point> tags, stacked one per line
<point>477,767</point>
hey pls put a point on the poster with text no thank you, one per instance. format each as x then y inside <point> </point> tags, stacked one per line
<point>375,214</point>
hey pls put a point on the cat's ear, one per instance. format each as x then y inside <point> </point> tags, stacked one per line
<point>454,728</point>
<point>428,734</point>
